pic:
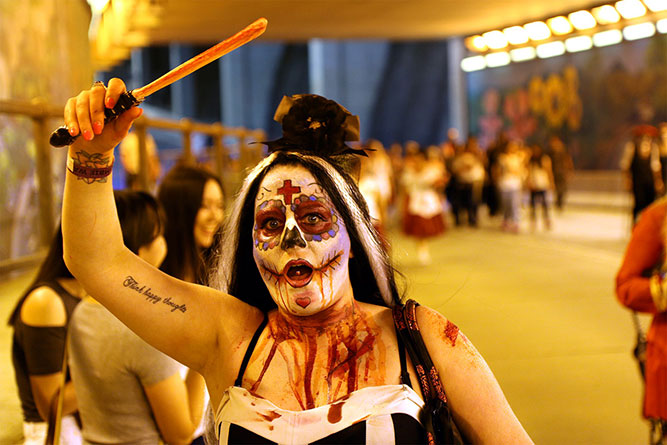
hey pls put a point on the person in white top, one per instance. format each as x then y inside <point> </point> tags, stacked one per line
<point>511,173</point>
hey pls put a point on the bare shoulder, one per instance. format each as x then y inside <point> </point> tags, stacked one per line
<point>478,404</point>
<point>43,307</point>
<point>449,348</point>
<point>435,327</point>
<point>380,314</point>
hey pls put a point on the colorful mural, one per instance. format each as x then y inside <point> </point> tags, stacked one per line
<point>591,99</point>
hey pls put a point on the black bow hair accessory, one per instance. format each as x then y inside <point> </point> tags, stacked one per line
<point>316,126</point>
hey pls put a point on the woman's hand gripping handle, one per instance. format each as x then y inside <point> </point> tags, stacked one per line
<point>87,115</point>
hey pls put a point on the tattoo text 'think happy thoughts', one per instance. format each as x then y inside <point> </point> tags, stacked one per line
<point>150,296</point>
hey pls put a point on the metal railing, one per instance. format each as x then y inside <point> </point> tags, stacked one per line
<point>42,113</point>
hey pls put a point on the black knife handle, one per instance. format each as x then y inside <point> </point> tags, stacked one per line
<point>62,138</point>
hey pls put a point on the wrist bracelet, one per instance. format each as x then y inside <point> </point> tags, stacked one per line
<point>88,170</point>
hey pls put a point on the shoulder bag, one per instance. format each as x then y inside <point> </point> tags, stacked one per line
<point>436,416</point>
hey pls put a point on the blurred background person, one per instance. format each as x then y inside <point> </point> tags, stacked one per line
<point>468,171</point>
<point>661,140</point>
<point>511,173</point>
<point>129,157</point>
<point>451,148</point>
<point>193,201</point>
<point>376,185</point>
<point>540,185</point>
<point>40,320</point>
<point>491,194</point>
<point>641,286</point>
<point>562,166</point>
<point>128,391</point>
<point>423,209</point>
<point>396,159</point>
<point>641,165</point>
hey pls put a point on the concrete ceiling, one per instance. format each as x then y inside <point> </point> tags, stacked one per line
<point>130,23</point>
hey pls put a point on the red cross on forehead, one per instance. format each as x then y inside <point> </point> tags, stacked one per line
<point>287,190</point>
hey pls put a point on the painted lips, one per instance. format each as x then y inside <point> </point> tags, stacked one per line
<point>298,273</point>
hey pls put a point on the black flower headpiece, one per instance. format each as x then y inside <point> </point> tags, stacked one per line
<point>316,126</point>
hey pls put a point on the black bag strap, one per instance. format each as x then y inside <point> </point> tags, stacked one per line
<point>249,349</point>
<point>436,417</point>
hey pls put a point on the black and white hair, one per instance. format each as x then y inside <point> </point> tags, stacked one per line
<point>371,273</point>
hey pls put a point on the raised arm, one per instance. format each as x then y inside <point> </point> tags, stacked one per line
<point>478,404</point>
<point>191,323</point>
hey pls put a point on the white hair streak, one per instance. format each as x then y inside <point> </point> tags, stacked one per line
<point>221,275</point>
<point>365,230</point>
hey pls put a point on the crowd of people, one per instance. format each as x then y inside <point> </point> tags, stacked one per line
<point>284,324</point>
<point>425,190</point>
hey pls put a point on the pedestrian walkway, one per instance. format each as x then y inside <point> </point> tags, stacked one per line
<point>539,306</point>
<point>541,309</point>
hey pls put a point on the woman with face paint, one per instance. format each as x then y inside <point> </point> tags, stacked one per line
<point>295,338</point>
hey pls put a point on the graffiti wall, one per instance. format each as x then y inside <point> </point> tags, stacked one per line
<point>591,99</point>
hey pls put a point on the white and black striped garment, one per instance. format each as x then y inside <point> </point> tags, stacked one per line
<point>386,415</point>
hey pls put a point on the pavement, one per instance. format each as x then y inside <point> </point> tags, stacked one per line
<point>539,306</point>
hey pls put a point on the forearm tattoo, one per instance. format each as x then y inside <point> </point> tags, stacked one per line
<point>90,168</point>
<point>151,296</point>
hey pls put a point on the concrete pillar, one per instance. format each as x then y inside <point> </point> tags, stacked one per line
<point>232,87</point>
<point>456,88</point>
<point>137,69</point>
<point>182,91</point>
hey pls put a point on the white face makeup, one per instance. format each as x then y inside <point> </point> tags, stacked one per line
<point>301,246</point>
<point>210,214</point>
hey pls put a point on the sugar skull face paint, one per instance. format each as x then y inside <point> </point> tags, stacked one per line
<point>301,246</point>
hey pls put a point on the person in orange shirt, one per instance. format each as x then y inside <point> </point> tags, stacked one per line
<point>641,286</point>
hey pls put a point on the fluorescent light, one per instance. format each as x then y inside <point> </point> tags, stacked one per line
<point>474,63</point>
<point>497,59</point>
<point>495,39</point>
<point>475,43</point>
<point>606,38</point>
<point>656,5</point>
<point>516,35</point>
<point>606,14</point>
<point>521,54</point>
<point>582,19</point>
<point>537,30</point>
<point>578,43</point>
<point>550,49</point>
<point>559,25</point>
<point>97,6</point>
<point>639,31</point>
<point>630,9</point>
<point>661,25</point>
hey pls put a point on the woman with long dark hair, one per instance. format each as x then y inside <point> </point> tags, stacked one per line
<point>40,319</point>
<point>193,201</point>
<point>296,340</point>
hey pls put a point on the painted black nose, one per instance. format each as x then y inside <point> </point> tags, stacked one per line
<point>292,239</point>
